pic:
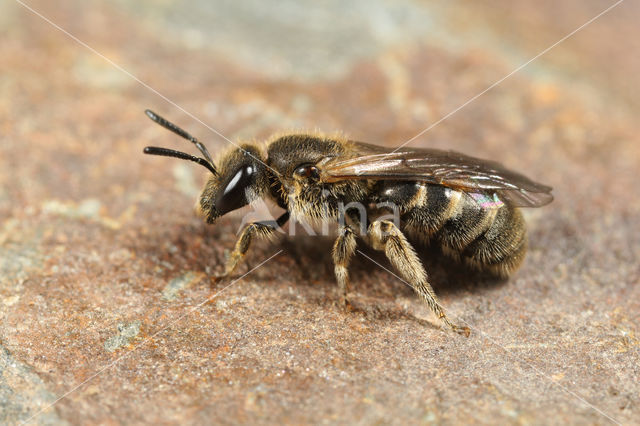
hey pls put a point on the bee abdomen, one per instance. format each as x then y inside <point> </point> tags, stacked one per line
<point>491,239</point>
<point>467,221</point>
<point>501,248</point>
<point>429,210</point>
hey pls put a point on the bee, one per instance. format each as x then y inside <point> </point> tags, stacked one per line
<point>469,206</point>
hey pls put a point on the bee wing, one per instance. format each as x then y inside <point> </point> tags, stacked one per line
<point>447,168</point>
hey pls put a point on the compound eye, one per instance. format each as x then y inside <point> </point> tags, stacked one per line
<point>234,195</point>
<point>307,171</point>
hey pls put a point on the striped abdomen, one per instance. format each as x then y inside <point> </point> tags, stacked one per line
<point>481,231</point>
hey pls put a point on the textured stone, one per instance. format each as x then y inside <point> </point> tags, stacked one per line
<point>105,291</point>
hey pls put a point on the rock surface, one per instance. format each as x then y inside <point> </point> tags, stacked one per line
<point>107,308</point>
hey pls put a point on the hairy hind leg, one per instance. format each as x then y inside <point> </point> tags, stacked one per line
<point>387,237</point>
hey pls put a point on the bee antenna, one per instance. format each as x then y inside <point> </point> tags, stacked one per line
<point>180,132</point>
<point>154,150</point>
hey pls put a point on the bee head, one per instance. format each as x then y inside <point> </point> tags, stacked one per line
<point>240,179</point>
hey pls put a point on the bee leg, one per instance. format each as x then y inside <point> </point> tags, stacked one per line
<point>343,250</point>
<point>261,229</point>
<point>387,237</point>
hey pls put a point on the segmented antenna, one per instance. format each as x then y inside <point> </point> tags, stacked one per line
<point>180,132</point>
<point>165,152</point>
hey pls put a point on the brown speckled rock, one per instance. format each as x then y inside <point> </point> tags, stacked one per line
<point>105,294</point>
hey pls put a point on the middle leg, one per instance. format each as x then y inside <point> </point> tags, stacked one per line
<point>343,250</point>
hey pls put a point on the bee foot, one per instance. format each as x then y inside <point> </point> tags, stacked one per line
<point>218,277</point>
<point>345,304</point>
<point>465,331</point>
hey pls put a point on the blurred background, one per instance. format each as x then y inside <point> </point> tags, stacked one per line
<point>101,255</point>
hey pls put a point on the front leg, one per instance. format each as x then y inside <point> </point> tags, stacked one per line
<point>261,229</point>
<point>387,237</point>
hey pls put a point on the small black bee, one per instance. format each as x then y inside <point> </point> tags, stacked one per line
<point>467,205</point>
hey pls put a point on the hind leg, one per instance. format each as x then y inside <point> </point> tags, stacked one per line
<point>387,237</point>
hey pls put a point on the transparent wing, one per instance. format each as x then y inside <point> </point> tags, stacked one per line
<point>447,168</point>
